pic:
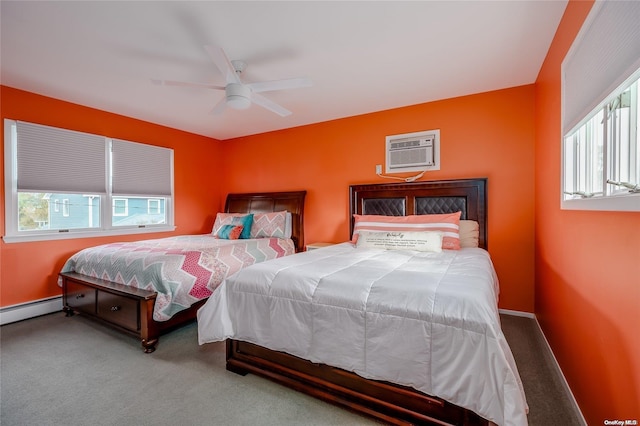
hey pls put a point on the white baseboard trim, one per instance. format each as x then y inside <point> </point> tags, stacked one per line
<point>23,311</point>
<point>554,360</point>
<point>565,384</point>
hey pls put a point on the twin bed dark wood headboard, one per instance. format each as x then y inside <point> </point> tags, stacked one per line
<point>264,202</point>
<point>444,196</point>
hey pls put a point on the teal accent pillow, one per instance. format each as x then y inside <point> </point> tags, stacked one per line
<point>230,232</point>
<point>246,222</point>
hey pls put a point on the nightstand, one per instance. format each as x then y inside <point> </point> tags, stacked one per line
<point>314,246</point>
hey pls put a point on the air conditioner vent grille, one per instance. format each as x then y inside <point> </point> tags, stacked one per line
<point>409,157</point>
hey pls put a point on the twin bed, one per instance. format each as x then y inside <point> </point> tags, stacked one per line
<point>405,336</point>
<point>147,288</point>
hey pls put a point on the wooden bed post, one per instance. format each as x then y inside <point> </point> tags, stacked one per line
<point>148,331</point>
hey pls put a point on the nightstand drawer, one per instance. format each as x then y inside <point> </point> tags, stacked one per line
<point>81,297</point>
<point>119,310</point>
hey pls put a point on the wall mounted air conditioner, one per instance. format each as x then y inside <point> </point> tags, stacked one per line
<point>411,152</point>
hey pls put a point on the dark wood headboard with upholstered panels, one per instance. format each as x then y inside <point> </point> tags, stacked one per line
<point>444,196</point>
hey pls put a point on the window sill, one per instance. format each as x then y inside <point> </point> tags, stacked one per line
<point>84,234</point>
<point>626,202</point>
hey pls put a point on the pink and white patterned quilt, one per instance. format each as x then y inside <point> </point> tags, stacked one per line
<point>182,269</point>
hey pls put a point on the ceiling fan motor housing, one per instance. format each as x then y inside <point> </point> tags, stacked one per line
<point>238,96</point>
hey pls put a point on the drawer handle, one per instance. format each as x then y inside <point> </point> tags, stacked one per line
<point>115,308</point>
<point>79,296</point>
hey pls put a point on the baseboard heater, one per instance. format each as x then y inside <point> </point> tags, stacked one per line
<point>24,311</point>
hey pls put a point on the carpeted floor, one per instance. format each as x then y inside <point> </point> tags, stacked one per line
<point>56,370</point>
<point>549,404</point>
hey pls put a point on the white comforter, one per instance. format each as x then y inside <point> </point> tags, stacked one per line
<point>425,320</point>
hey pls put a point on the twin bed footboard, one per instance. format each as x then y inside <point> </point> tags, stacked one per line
<point>126,308</point>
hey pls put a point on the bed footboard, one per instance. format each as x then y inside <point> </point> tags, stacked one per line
<point>126,308</point>
<point>390,403</point>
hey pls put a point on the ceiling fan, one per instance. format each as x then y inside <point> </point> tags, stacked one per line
<point>239,95</point>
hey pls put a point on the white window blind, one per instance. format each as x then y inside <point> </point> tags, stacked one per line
<point>57,160</point>
<point>604,55</point>
<point>60,184</point>
<point>130,178</point>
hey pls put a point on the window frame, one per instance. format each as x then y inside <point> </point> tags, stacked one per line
<point>65,207</point>
<point>153,205</point>
<point>581,188</point>
<point>609,197</point>
<point>13,234</point>
<point>114,201</point>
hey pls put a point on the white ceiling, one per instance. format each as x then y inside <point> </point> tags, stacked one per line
<point>362,56</point>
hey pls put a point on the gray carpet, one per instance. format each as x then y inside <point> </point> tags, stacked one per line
<point>72,371</point>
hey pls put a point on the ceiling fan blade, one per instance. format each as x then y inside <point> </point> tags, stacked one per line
<point>186,84</point>
<point>291,83</point>
<point>270,105</point>
<point>223,63</point>
<point>220,106</point>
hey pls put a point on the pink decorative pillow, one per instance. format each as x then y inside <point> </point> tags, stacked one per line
<point>268,225</point>
<point>448,223</point>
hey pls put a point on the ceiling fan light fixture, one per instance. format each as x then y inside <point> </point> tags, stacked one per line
<point>238,96</point>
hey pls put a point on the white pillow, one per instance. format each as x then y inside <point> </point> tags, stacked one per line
<point>402,240</point>
<point>288,226</point>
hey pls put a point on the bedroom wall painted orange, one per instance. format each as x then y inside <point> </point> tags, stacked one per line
<point>587,295</point>
<point>589,315</point>
<point>484,135</point>
<point>28,271</point>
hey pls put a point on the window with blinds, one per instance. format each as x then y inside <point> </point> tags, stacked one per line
<point>601,112</point>
<point>65,184</point>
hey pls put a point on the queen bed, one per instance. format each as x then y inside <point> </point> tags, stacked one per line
<point>149,287</point>
<point>390,324</point>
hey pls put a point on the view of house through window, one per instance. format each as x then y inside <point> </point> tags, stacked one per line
<point>138,211</point>
<point>39,211</point>
<point>120,206</point>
